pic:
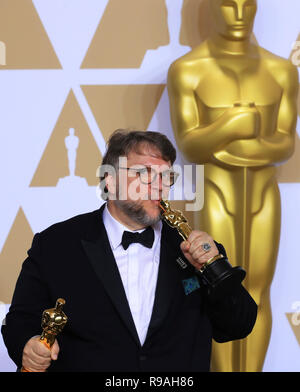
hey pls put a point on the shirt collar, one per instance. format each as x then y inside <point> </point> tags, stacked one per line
<point>115,229</point>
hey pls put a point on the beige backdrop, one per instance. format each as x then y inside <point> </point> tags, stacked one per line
<point>113,89</point>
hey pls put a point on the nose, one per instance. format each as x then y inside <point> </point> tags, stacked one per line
<point>157,183</point>
<point>240,6</point>
<point>156,188</point>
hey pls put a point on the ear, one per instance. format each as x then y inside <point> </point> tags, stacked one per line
<point>110,182</point>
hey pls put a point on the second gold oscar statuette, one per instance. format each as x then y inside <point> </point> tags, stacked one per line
<point>53,322</point>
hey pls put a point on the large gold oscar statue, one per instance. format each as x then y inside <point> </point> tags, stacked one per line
<point>233,108</point>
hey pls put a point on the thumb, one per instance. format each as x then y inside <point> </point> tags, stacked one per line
<point>54,350</point>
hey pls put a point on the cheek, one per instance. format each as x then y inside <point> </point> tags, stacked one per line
<point>250,15</point>
<point>151,208</point>
<point>145,192</point>
<point>137,191</point>
<point>121,190</point>
<point>227,17</point>
<point>165,193</point>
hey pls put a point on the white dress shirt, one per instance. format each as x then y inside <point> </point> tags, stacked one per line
<point>138,267</point>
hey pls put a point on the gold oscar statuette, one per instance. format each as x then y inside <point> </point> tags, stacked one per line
<point>53,322</point>
<point>233,107</point>
<point>218,275</point>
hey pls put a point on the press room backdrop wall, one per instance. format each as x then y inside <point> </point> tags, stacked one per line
<point>87,67</point>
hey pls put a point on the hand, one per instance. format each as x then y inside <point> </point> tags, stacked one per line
<point>193,251</point>
<point>243,121</point>
<point>37,357</point>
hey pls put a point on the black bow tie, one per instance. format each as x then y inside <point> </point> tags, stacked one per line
<point>145,238</point>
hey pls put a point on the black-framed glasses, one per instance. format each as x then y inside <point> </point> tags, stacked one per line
<point>147,175</point>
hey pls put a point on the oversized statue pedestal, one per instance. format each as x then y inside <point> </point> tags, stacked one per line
<point>234,109</point>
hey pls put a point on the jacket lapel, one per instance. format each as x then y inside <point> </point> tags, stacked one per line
<point>103,262</point>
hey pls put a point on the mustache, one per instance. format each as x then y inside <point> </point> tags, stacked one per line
<point>137,212</point>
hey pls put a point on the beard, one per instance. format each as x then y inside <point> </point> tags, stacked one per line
<point>137,212</point>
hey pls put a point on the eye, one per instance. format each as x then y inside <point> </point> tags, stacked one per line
<point>167,174</point>
<point>142,171</point>
<point>228,3</point>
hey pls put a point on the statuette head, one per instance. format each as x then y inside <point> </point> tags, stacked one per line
<point>234,19</point>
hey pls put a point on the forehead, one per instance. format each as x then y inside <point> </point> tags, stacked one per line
<point>238,2</point>
<point>146,155</point>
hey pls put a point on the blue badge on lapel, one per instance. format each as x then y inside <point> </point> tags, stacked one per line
<point>190,285</point>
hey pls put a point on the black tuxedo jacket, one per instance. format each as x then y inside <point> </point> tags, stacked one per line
<point>73,260</point>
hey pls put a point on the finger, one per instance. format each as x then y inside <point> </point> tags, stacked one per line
<point>55,350</point>
<point>33,350</point>
<point>41,349</point>
<point>197,254</point>
<point>188,256</point>
<point>184,246</point>
<point>197,245</point>
<point>196,234</point>
<point>205,257</point>
<point>198,257</point>
<point>29,362</point>
<point>32,367</point>
<point>197,242</point>
<point>38,359</point>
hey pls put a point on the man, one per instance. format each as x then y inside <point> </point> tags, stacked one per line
<point>126,303</point>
